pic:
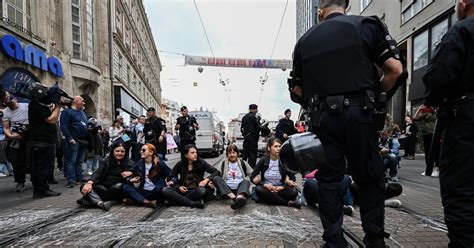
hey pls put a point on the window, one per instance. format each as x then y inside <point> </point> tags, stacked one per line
<point>19,12</point>
<point>414,8</point>
<point>453,19</point>
<point>437,33</point>
<point>90,32</point>
<point>120,58</point>
<point>76,30</point>
<point>127,36</point>
<point>420,50</point>
<point>364,4</point>
<point>128,74</point>
<point>118,20</point>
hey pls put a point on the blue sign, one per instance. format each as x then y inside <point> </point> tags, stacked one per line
<point>11,47</point>
<point>17,80</point>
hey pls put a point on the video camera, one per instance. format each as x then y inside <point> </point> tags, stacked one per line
<point>19,128</point>
<point>42,93</point>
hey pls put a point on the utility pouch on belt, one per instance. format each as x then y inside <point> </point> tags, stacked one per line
<point>368,101</point>
<point>335,104</point>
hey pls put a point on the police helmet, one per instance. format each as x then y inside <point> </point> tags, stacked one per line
<point>264,130</point>
<point>302,153</point>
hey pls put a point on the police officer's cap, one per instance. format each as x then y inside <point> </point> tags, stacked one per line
<point>253,106</point>
<point>184,108</point>
<point>151,109</point>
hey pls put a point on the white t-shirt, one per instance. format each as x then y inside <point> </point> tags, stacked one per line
<point>272,174</point>
<point>18,115</point>
<point>234,176</point>
<point>148,183</point>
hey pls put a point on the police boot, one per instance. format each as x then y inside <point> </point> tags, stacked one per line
<point>372,241</point>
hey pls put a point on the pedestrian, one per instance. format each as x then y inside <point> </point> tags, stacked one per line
<point>150,173</point>
<point>274,185</point>
<point>235,181</point>
<point>115,131</point>
<point>410,132</point>
<point>42,139</point>
<point>74,127</point>
<point>15,121</point>
<point>425,117</point>
<point>154,131</point>
<point>250,130</point>
<point>449,86</point>
<point>285,127</point>
<point>94,149</point>
<point>4,163</point>
<point>187,186</point>
<point>300,127</point>
<point>390,154</point>
<point>138,138</point>
<point>170,143</point>
<point>187,126</point>
<point>335,76</point>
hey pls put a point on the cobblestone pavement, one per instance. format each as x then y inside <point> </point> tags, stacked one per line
<point>58,222</point>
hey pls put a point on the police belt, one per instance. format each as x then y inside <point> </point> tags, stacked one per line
<point>321,102</point>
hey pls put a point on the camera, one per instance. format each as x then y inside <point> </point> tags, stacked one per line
<point>41,92</point>
<point>19,128</point>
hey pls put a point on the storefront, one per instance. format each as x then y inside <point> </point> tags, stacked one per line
<point>126,105</point>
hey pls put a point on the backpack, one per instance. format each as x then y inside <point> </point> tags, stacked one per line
<point>241,162</point>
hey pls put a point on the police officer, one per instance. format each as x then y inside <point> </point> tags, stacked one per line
<point>285,127</point>
<point>154,130</point>
<point>187,126</point>
<point>250,130</point>
<point>449,85</point>
<point>334,74</point>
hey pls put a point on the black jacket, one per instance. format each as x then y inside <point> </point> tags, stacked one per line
<point>263,165</point>
<point>159,180</point>
<point>103,172</point>
<point>179,171</point>
<point>285,126</point>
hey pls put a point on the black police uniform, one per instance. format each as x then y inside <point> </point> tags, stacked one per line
<point>152,131</point>
<point>250,130</point>
<point>334,61</point>
<point>187,133</point>
<point>285,126</point>
<point>449,84</point>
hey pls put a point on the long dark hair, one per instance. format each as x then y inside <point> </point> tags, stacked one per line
<point>112,161</point>
<point>184,159</point>
<point>155,161</point>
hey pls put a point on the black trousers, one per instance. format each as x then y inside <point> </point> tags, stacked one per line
<point>223,189</point>
<point>175,196</point>
<point>429,150</point>
<point>410,146</point>
<point>350,136</point>
<point>100,192</point>
<point>279,198</point>
<point>42,165</point>
<point>18,159</point>
<point>250,147</point>
<point>185,142</point>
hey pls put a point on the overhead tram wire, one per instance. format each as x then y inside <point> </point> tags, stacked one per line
<point>221,81</point>
<point>265,77</point>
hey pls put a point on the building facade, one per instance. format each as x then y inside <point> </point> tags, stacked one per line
<point>306,14</point>
<point>170,111</point>
<point>417,26</point>
<point>72,42</point>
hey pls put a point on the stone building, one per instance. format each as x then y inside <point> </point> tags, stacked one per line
<point>85,46</point>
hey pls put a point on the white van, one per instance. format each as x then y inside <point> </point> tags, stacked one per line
<point>238,140</point>
<point>210,136</point>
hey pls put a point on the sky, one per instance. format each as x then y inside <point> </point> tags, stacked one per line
<point>236,29</point>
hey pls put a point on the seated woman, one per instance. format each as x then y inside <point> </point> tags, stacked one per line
<point>106,183</point>
<point>274,184</point>
<point>187,186</point>
<point>151,173</point>
<point>234,183</point>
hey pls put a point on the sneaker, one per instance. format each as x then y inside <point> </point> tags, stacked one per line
<point>70,185</point>
<point>104,205</point>
<point>197,204</point>
<point>150,204</point>
<point>393,203</point>
<point>394,179</point>
<point>238,203</point>
<point>20,187</point>
<point>435,173</point>
<point>2,175</point>
<point>423,173</point>
<point>294,204</point>
<point>348,210</point>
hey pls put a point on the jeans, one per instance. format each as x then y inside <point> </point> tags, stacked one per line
<point>75,155</point>
<point>93,163</point>
<point>391,163</point>
<point>310,191</point>
<point>140,194</point>
<point>9,168</point>
<point>42,162</point>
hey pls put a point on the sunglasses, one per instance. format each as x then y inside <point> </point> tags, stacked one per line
<point>143,150</point>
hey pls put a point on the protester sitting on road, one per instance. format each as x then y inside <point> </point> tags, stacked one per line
<point>274,184</point>
<point>187,186</point>
<point>151,174</point>
<point>390,155</point>
<point>310,192</point>
<point>106,183</point>
<point>235,182</point>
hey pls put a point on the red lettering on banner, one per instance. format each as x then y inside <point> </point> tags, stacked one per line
<point>210,61</point>
<point>231,62</point>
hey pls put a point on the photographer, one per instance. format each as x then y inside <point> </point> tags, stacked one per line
<point>187,126</point>
<point>15,119</point>
<point>42,139</point>
<point>74,127</point>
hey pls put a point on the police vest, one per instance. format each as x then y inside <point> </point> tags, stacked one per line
<point>334,60</point>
